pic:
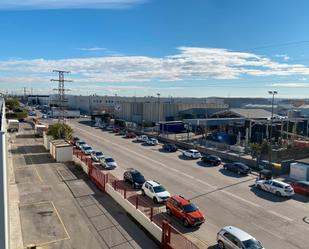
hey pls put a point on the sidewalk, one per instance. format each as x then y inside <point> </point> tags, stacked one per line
<point>59,208</point>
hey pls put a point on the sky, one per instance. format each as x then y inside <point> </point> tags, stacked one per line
<point>191,48</point>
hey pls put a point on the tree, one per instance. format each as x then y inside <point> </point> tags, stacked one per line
<point>60,131</point>
<point>12,103</point>
<point>265,147</point>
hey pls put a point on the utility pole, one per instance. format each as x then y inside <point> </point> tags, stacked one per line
<point>273,93</point>
<point>158,94</point>
<point>61,92</point>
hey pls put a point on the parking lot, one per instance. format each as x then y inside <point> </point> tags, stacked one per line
<point>226,198</point>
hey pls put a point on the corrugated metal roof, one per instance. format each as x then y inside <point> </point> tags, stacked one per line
<point>251,113</point>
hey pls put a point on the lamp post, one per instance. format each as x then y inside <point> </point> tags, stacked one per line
<point>158,94</point>
<point>273,93</point>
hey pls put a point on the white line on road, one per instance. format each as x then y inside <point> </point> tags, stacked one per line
<point>280,215</point>
<point>267,231</point>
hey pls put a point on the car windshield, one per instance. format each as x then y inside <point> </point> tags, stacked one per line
<point>158,189</point>
<point>190,208</point>
<point>109,160</point>
<point>81,142</point>
<point>99,154</point>
<point>138,177</point>
<point>252,244</point>
<point>87,148</point>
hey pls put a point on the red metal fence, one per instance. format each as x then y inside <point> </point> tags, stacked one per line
<point>171,237</point>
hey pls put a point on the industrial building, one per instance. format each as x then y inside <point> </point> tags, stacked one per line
<point>138,109</point>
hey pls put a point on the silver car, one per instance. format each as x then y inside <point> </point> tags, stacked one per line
<point>230,237</point>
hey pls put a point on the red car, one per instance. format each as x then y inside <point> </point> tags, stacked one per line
<point>183,209</point>
<point>301,187</point>
<point>130,135</point>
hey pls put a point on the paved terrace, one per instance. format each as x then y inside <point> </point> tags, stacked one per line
<point>55,206</point>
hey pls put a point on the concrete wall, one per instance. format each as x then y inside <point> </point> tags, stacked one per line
<point>4,202</point>
<point>143,220</point>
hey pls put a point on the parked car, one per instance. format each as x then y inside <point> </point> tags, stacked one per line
<point>80,143</point>
<point>122,132</point>
<point>301,187</point>
<point>86,149</point>
<point>110,163</point>
<point>75,140</point>
<point>97,155</point>
<point>151,142</point>
<point>170,147</point>
<point>193,154</point>
<point>183,209</point>
<point>155,191</point>
<point>109,128</point>
<point>116,130</point>
<point>276,187</point>
<point>134,177</point>
<point>237,167</point>
<point>130,134</point>
<point>212,160</point>
<point>230,237</point>
<point>142,138</point>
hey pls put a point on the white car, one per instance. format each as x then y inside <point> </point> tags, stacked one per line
<point>193,154</point>
<point>230,237</point>
<point>276,187</point>
<point>97,155</point>
<point>152,141</point>
<point>80,143</point>
<point>86,149</point>
<point>109,162</point>
<point>142,138</point>
<point>155,191</point>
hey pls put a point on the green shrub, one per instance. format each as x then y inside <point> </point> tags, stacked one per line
<point>60,131</point>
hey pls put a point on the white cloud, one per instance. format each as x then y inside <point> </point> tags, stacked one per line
<point>283,57</point>
<point>291,85</point>
<point>67,4</point>
<point>190,63</point>
<point>92,49</point>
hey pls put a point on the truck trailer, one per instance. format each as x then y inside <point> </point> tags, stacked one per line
<point>54,113</point>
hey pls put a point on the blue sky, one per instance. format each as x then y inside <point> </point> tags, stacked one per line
<point>140,47</point>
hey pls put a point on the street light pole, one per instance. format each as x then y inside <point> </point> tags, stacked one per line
<point>273,93</point>
<point>158,94</point>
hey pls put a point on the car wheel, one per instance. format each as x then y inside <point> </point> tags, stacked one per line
<point>220,244</point>
<point>143,192</point>
<point>224,167</point>
<point>168,211</point>
<point>185,222</point>
<point>133,185</point>
<point>191,157</point>
<point>278,194</point>
<point>155,200</point>
<point>259,187</point>
<point>238,172</point>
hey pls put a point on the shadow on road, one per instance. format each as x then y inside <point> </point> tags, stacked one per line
<point>268,196</point>
<point>230,173</point>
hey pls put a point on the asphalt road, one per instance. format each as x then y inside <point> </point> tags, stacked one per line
<point>225,198</point>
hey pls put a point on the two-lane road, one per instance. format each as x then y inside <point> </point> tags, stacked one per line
<point>225,198</point>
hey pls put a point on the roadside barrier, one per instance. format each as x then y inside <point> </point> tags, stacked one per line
<point>171,237</point>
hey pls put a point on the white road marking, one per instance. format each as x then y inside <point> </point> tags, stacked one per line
<point>280,215</point>
<point>188,176</point>
<point>267,231</point>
